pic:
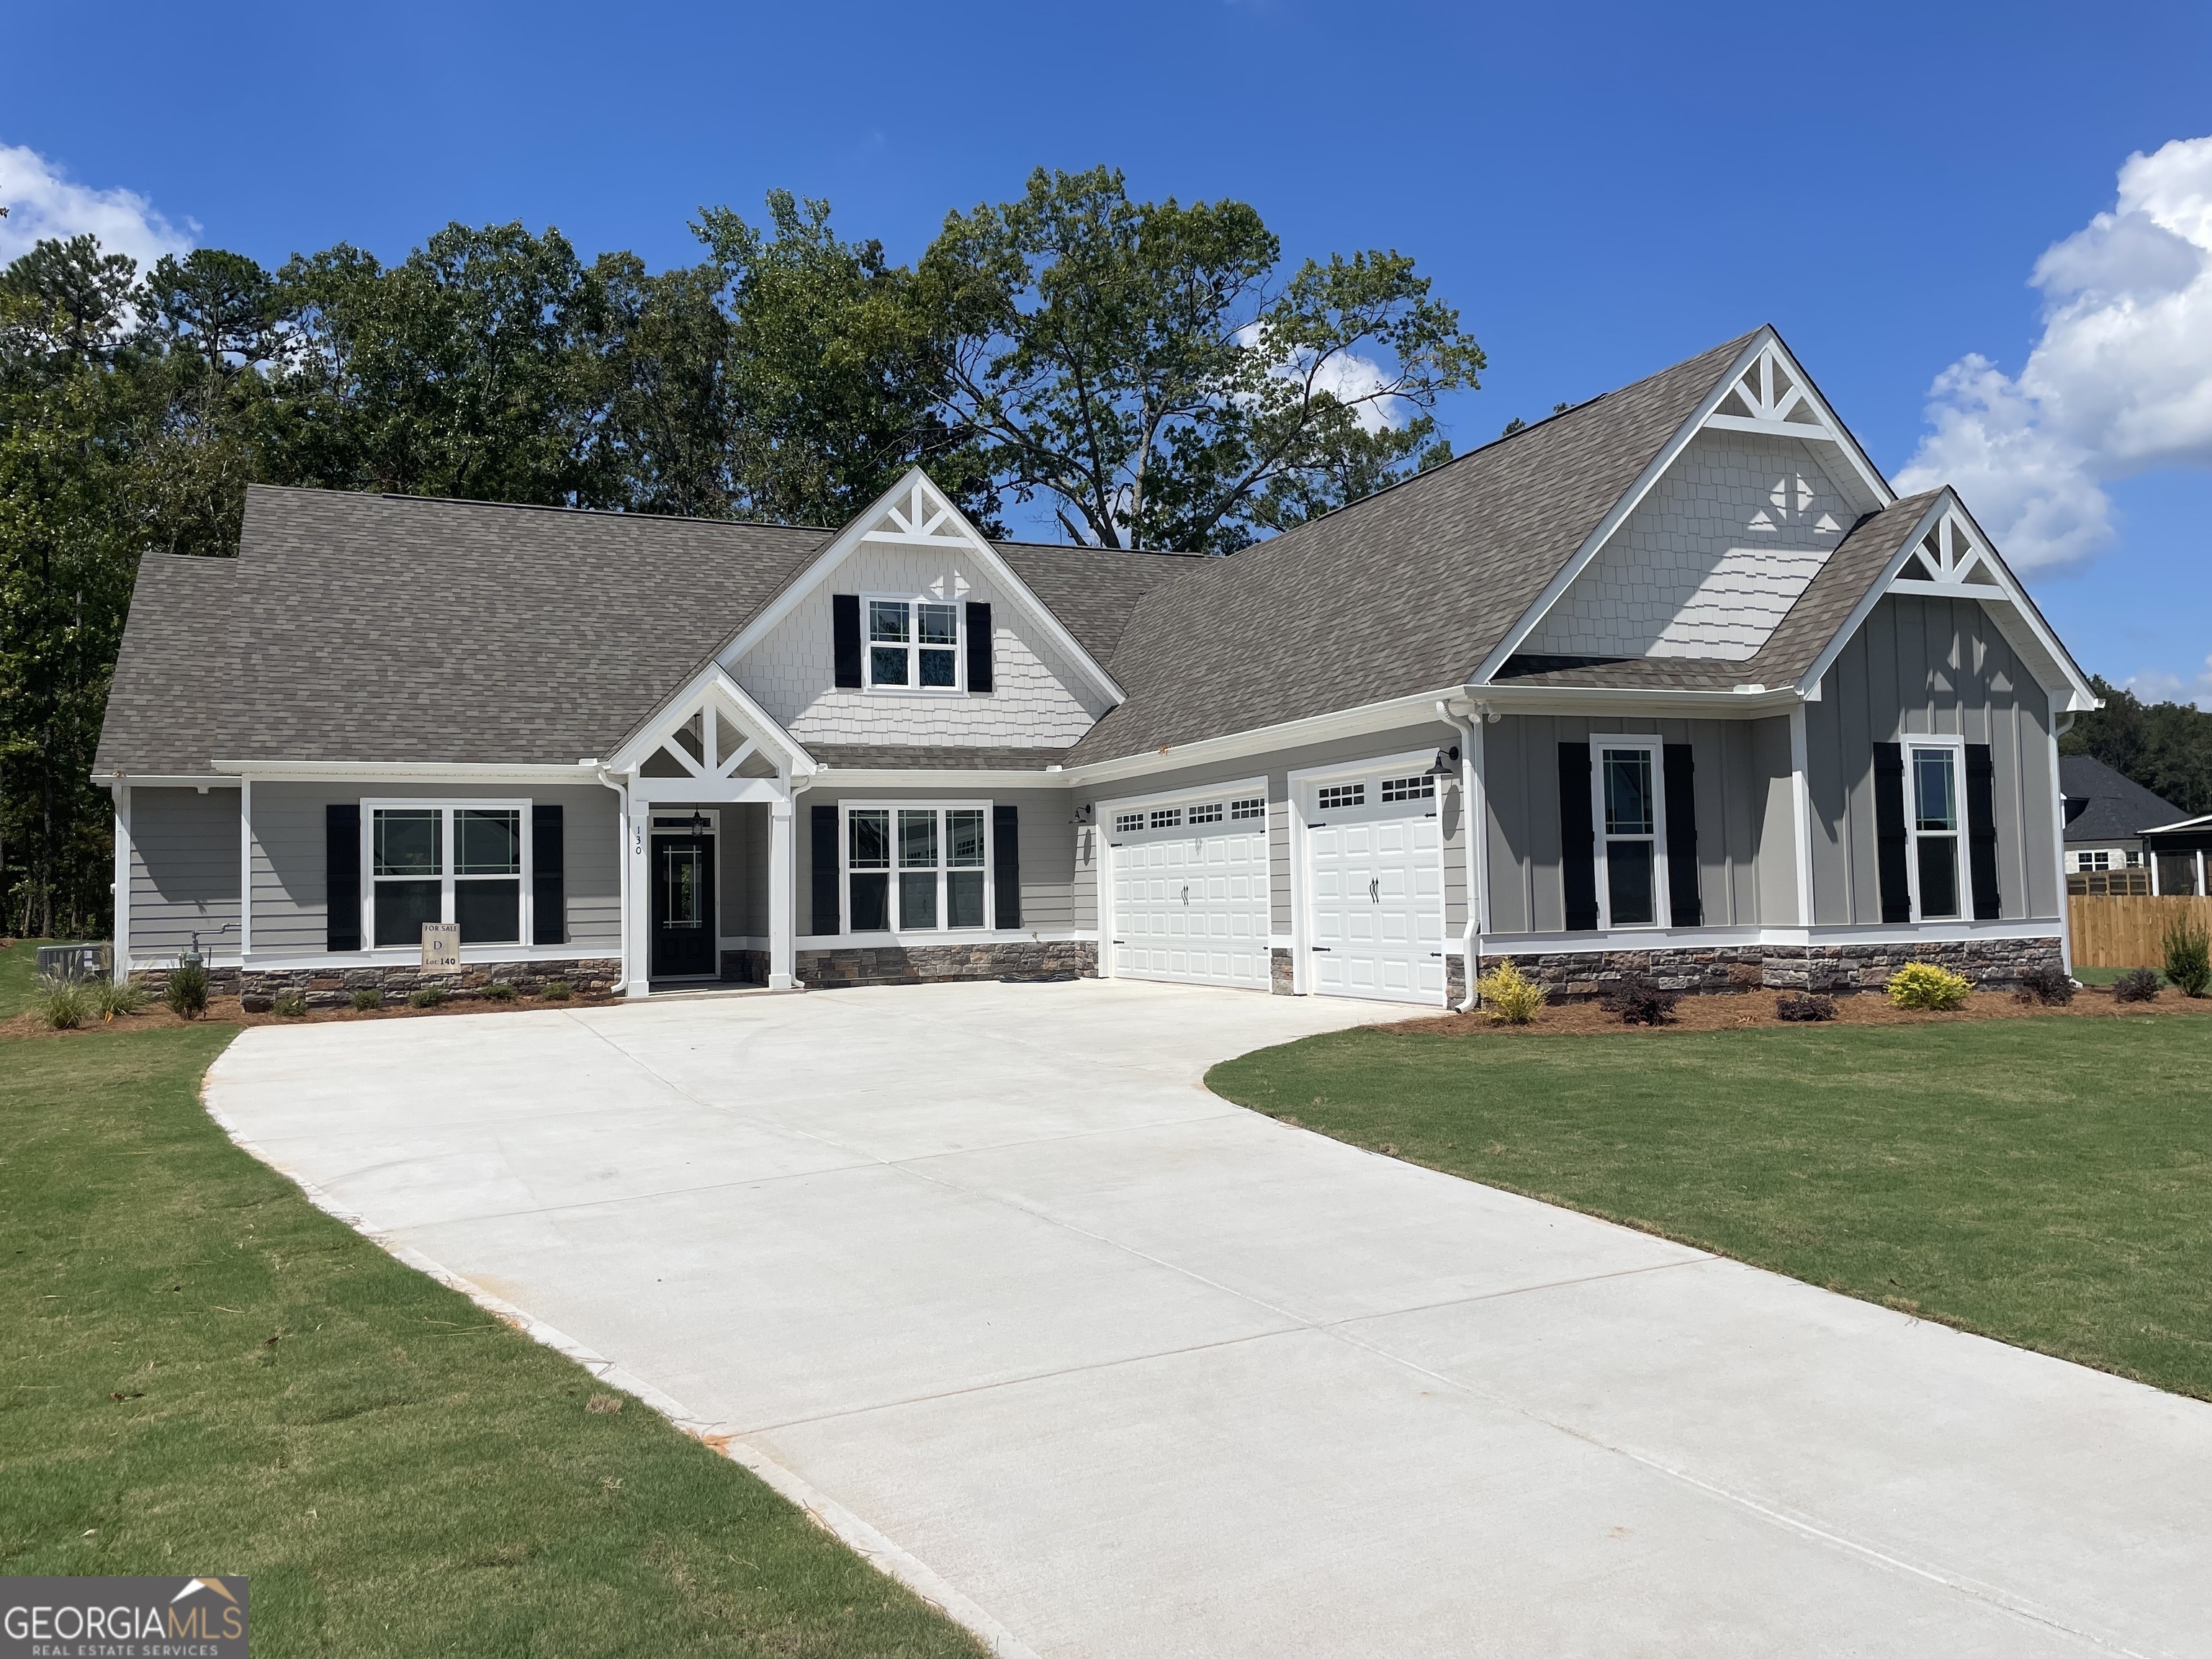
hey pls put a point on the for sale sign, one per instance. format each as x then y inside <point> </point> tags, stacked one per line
<point>442,944</point>
<point>122,1618</point>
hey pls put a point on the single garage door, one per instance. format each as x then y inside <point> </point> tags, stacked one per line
<point>1375,851</point>
<point>1190,889</point>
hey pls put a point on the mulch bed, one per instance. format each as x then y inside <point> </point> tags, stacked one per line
<point>1756,1009</point>
<point>225,1010</point>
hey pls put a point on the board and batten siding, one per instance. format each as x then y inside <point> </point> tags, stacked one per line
<point>1738,786</point>
<point>1923,665</point>
<point>184,871</point>
<point>290,895</point>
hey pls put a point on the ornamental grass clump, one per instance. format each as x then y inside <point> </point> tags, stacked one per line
<point>1923,985</point>
<point>2137,985</point>
<point>186,993</point>
<point>1509,995</point>
<point>2188,955</point>
<point>113,997</point>
<point>1639,1002</point>
<point>1803,1010</point>
<point>2053,987</point>
<point>62,1004</point>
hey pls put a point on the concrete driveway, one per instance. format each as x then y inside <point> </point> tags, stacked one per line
<point>1113,1369</point>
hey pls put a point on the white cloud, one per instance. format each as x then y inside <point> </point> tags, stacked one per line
<point>2120,383</point>
<point>2155,687</point>
<point>1346,377</point>
<point>43,203</point>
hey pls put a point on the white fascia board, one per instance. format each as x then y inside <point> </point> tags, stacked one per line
<point>304,771</point>
<point>1418,709</point>
<point>200,780</point>
<point>1653,700</point>
<point>939,778</point>
<point>1630,500</point>
<point>856,535</point>
<point>710,681</point>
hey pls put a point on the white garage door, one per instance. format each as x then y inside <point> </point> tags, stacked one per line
<point>1374,848</point>
<point>1190,889</point>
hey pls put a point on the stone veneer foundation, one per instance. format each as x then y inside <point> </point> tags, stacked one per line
<point>333,987</point>
<point>931,964</point>
<point>1833,970</point>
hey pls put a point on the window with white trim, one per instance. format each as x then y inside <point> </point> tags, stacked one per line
<point>917,868</point>
<point>1631,872</point>
<point>914,644</point>
<point>1933,772</point>
<point>1335,796</point>
<point>1252,806</point>
<point>2098,861</point>
<point>1398,789</point>
<point>439,861</point>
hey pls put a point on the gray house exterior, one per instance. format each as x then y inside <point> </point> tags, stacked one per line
<point>1672,683</point>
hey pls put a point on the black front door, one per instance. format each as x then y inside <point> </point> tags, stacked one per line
<point>683,933</point>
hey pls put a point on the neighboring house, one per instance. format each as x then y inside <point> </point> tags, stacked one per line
<point>2106,813</point>
<point>2180,856</point>
<point>1671,682</point>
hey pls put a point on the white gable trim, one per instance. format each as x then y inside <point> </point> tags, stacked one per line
<point>921,516</point>
<point>1776,394</point>
<point>1763,346</point>
<point>711,692</point>
<point>1964,565</point>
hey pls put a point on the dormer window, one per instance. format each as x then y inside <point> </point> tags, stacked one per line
<point>914,645</point>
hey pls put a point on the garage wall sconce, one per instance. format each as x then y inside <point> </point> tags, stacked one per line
<point>1447,764</point>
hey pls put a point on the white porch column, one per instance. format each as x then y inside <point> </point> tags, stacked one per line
<point>122,929</point>
<point>637,894</point>
<point>782,892</point>
<point>244,873</point>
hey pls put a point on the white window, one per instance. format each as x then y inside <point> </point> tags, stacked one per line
<point>1933,770</point>
<point>1128,823</point>
<point>914,644</point>
<point>913,869</point>
<point>2101,860</point>
<point>1335,796</point>
<point>458,862</point>
<point>1399,789</point>
<point>1210,813</point>
<point>2135,861</point>
<point>1167,817</point>
<point>1631,820</point>
<point>1252,806</point>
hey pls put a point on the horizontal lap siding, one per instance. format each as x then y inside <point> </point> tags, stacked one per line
<point>184,870</point>
<point>1736,785</point>
<point>290,897</point>
<point>1051,876</point>
<point>1929,666</point>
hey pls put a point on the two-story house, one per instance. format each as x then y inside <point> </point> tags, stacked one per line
<point>1673,683</point>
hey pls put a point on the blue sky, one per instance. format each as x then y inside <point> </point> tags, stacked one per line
<point>1601,190</point>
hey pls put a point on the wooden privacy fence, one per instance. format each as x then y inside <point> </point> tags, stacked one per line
<point>2128,932</point>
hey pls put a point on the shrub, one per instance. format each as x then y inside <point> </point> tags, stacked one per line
<point>2137,985</point>
<point>290,1004</point>
<point>1802,1010</point>
<point>498,991</point>
<point>2052,987</point>
<point>2188,955</point>
<point>1639,1002</point>
<point>429,997</point>
<point>61,1003</point>
<point>113,997</point>
<point>1509,994</point>
<point>1923,985</point>
<point>186,993</point>
<point>368,1000</point>
<point>558,990</point>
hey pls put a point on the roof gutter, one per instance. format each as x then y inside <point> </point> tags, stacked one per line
<point>314,771</point>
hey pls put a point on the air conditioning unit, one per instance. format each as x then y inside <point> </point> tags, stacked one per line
<point>76,961</point>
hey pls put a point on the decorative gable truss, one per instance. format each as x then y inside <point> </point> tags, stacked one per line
<point>712,742</point>
<point>1946,557</point>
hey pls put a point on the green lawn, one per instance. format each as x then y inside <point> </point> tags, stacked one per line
<point>2046,1181</point>
<point>19,976</point>
<point>202,1373</point>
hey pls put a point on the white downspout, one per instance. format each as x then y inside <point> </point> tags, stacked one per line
<point>1474,813</point>
<point>2060,725</point>
<point>621,861</point>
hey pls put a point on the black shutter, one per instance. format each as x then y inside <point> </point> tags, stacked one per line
<point>1578,839</point>
<point>549,875</point>
<point>1889,836</point>
<point>1007,864</point>
<point>979,646</point>
<point>844,627</point>
<point>342,876</point>
<point>824,823</point>
<point>1685,906</point>
<point>1982,830</point>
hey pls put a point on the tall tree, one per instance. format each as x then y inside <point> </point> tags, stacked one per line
<point>2166,747</point>
<point>1141,365</point>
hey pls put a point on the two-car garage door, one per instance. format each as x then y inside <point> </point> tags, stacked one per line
<point>1190,889</point>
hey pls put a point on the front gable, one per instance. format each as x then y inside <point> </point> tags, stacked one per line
<point>914,547</point>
